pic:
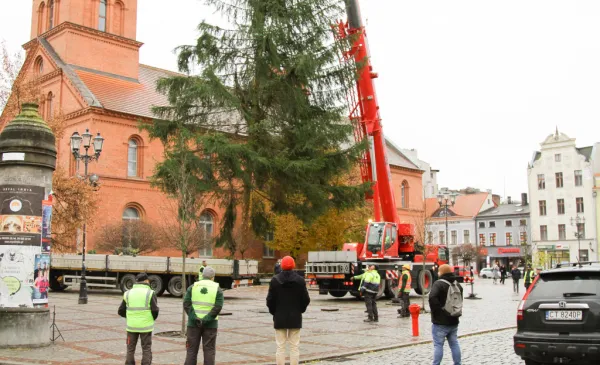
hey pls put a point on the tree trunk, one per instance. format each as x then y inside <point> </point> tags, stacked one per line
<point>184,291</point>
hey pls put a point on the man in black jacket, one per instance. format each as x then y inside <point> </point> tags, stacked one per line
<point>444,326</point>
<point>287,299</point>
<point>516,275</point>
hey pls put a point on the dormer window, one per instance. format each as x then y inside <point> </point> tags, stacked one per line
<point>102,16</point>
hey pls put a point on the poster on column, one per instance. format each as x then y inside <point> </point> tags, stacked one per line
<point>41,283</point>
<point>46,226</point>
<point>20,242</point>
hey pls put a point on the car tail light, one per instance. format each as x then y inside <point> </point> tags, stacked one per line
<point>520,345</point>
<point>522,303</point>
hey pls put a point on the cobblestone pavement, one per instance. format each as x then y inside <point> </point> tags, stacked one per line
<point>490,348</point>
<point>94,333</point>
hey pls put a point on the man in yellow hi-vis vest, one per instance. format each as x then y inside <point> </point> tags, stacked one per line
<point>203,303</point>
<point>140,307</point>
<point>405,289</point>
<point>369,287</point>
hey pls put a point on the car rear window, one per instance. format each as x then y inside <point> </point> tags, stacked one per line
<point>558,284</point>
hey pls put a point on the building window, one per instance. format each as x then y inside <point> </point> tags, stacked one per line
<point>584,256</point>
<point>404,194</point>
<point>562,232</point>
<point>561,206</point>
<point>508,223</point>
<point>39,66</point>
<point>442,235</point>
<point>481,239</point>
<point>557,157</point>
<point>578,178</point>
<point>430,237</point>
<point>493,239</point>
<point>454,237</point>
<point>523,222</point>
<point>580,230</point>
<point>466,236</point>
<point>41,17</point>
<point>206,224</point>
<point>508,238</point>
<point>523,236</point>
<point>541,182</point>
<point>542,207</point>
<point>132,158</point>
<point>268,252</point>
<point>131,214</point>
<point>544,233</point>
<point>579,203</point>
<point>492,224</point>
<point>559,180</point>
<point>481,224</point>
<point>50,14</point>
<point>49,106</point>
<point>102,16</point>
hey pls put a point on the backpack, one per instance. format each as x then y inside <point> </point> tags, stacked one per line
<point>454,299</point>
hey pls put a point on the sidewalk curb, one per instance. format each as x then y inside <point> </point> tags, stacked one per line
<point>393,347</point>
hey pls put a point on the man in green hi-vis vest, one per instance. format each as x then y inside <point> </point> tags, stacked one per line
<point>140,308</point>
<point>203,302</point>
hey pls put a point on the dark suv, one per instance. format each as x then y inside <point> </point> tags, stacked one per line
<point>558,320</point>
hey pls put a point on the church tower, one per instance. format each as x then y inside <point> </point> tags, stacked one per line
<point>97,35</point>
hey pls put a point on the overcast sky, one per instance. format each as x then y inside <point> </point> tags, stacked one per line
<point>473,85</point>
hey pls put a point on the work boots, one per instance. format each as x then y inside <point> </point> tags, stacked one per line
<point>369,320</point>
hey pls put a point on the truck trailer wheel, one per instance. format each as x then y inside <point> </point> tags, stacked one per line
<point>56,284</point>
<point>382,286</point>
<point>127,282</point>
<point>156,283</point>
<point>391,288</point>
<point>426,278</point>
<point>174,286</point>
<point>338,293</point>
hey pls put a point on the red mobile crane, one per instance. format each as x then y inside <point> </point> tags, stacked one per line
<point>388,244</point>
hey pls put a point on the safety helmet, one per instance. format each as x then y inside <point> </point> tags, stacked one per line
<point>406,266</point>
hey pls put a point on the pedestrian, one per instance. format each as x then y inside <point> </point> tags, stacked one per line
<point>528,277</point>
<point>516,276</point>
<point>502,274</point>
<point>277,268</point>
<point>471,272</point>
<point>202,267</point>
<point>495,273</point>
<point>287,299</point>
<point>140,308</point>
<point>369,287</point>
<point>445,302</point>
<point>203,302</point>
<point>434,272</point>
<point>404,292</point>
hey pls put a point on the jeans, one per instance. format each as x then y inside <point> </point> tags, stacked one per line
<point>208,336</point>
<point>291,336</point>
<point>516,285</point>
<point>440,333</point>
<point>132,339</point>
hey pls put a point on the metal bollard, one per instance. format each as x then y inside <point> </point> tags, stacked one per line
<point>415,310</point>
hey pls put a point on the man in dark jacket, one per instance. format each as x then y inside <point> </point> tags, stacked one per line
<point>203,302</point>
<point>140,323</point>
<point>444,326</point>
<point>277,268</point>
<point>287,299</point>
<point>516,275</point>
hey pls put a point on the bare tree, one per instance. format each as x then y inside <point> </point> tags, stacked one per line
<point>467,253</point>
<point>129,237</point>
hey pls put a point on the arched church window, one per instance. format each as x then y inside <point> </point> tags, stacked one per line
<point>102,16</point>
<point>41,17</point>
<point>50,14</point>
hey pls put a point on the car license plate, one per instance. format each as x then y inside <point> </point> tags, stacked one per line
<point>564,315</point>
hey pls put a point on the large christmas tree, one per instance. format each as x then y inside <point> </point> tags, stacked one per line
<point>266,108</point>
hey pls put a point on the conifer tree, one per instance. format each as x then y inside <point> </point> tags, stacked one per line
<point>267,108</point>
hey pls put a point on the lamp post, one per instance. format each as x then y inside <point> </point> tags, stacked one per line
<point>576,222</point>
<point>77,141</point>
<point>446,199</point>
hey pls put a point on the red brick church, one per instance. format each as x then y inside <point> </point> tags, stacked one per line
<point>86,56</point>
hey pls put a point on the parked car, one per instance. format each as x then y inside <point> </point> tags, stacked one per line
<point>486,273</point>
<point>557,319</point>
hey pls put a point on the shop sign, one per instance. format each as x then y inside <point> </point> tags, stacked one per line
<point>562,247</point>
<point>545,247</point>
<point>509,250</point>
<point>483,251</point>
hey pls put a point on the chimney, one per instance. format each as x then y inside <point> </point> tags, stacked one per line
<point>509,200</point>
<point>524,199</point>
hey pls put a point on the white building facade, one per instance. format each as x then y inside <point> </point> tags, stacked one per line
<point>430,185</point>
<point>561,185</point>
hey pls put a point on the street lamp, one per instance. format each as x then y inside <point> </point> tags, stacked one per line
<point>579,234</point>
<point>446,199</point>
<point>76,142</point>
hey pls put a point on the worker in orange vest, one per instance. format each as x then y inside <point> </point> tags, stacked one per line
<point>405,289</point>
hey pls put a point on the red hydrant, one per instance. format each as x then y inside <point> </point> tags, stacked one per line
<point>415,310</point>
